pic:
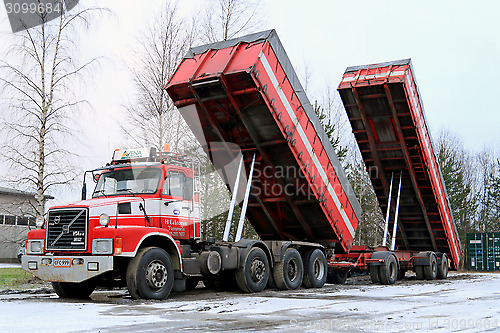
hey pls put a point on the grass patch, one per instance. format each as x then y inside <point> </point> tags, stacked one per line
<point>14,277</point>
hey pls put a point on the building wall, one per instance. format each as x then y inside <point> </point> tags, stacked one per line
<point>11,239</point>
<point>16,212</point>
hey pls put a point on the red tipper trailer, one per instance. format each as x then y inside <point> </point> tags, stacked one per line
<point>387,117</point>
<point>243,95</point>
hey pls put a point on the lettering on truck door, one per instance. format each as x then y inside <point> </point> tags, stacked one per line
<point>176,200</point>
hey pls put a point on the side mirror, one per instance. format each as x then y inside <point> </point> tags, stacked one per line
<point>84,191</point>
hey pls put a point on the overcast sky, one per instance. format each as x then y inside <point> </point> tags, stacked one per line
<point>454,47</point>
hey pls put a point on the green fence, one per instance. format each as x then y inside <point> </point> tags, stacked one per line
<point>483,251</point>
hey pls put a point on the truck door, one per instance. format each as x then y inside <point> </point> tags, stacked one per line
<point>176,205</point>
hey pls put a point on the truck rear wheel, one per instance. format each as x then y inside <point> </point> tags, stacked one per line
<point>337,276</point>
<point>315,269</point>
<point>442,269</point>
<point>430,271</point>
<point>289,272</point>
<point>253,276</point>
<point>81,290</point>
<point>389,270</point>
<point>150,274</point>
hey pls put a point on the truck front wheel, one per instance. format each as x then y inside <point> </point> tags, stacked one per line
<point>80,290</point>
<point>150,274</point>
<point>254,274</point>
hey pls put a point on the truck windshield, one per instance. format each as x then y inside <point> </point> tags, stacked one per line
<point>128,181</point>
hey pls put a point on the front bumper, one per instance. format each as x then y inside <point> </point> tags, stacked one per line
<point>78,270</point>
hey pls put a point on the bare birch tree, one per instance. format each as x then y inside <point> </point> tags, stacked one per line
<point>226,19</point>
<point>151,118</point>
<point>39,74</point>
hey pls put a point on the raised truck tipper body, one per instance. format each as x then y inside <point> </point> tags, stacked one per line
<point>246,93</point>
<point>243,101</point>
<point>386,113</point>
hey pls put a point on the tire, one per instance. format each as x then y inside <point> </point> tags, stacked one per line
<point>254,274</point>
<point>442,269</point>
<point>288,273</point>
<point>81,290</point>
<point>337,276</point>
<point>270,282</point>
<point>375,274</point>
<point>315,269</point>
<point>389,270</point>
<point>430,271</point>
<point>150,274</point>
<point>419,270</point>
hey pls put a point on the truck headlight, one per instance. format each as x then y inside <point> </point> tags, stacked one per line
<point>104,219</point>
<point>39,222</point>
<point>34,246</point>
<point>102,246</point>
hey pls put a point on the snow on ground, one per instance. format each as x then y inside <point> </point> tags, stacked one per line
<point>6,265</point>
<point>464,302</point>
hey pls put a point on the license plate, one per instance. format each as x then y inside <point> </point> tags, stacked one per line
<point>62,263</point>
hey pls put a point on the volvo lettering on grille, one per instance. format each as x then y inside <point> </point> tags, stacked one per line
<point>67,229</point>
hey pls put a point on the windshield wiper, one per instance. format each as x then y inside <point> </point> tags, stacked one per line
<point>99,191</point>
<point>126,189</point>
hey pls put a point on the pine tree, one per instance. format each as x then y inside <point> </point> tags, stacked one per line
<point>454,164</point>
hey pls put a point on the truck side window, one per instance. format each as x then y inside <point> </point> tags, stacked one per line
<point>188,189</point>
<point>174,184</point>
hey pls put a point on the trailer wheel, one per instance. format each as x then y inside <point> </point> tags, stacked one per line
<point>81,290</point>
<point>375,274</point>
<point>389,270</point>
<point>253,276</point>
<point>442,269</point>
<point>150,274</point>
<point>430,271</point>
<point>419,270</point>
<point>289,272</point>
<point>337,276</point>
<point>401,274</point>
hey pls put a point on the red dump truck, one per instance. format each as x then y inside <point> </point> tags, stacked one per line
<point>141,228</point>
<point>387,117</point>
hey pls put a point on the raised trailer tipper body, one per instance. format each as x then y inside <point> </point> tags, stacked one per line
<point>243,97</point>
<point>141,227</point>
<point>387,117</point>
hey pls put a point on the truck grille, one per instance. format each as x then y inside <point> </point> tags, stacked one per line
<point>67,229</point>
